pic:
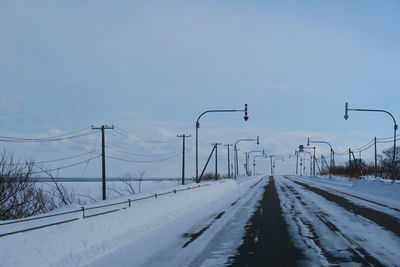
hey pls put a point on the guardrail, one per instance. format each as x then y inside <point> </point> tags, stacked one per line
<point>84,212</point>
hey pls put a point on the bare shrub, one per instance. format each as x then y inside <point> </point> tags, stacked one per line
<point>19,195</point>
<point>209,176</point>
<point>129,184</point>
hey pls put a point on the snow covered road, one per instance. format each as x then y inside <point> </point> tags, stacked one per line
<point>274,221</point>
<point>336,228</point>
<point>207,236</point>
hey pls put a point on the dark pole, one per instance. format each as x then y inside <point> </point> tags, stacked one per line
<point>183,155</point>
<point>346,116</point>
<point>314,162</point>
<point>236,154</point>
<point>103,157</point>
<point>332,154</point>
<point>229,162</point>
<point>216,159</point>
<point>349,157</point>
<point>376,160</point>
<point>301,166</point>
<point>205,166</point>
<point>297,162</point>
<point>103,162</point>
<point>271,164</point>
<point>197,131</point>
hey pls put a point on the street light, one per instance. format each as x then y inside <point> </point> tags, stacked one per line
<point>346,116</point>
<point>332,163</point>
<point>312,147</point>
<point>254,161</point>
<point>310,160</point>
<point>248,157</point>
<point>246,117</point>
<point>236,154</point>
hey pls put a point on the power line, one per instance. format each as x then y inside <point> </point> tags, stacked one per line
<point>144,161</point>
<point>67,166</point>
<point>140,139</point>
<point>40,140</point>
<point>54,160</point>
<point>140,155</point>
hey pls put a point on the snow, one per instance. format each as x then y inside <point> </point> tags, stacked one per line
<point>88,192</point>
<point>311,217</point>
<point>82,241</point>
<point>153,231</point>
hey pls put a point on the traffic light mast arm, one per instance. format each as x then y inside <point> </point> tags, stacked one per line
<point>346,116</point>
<point>222,110</point>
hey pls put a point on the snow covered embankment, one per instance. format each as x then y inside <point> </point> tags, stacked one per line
<point>83,241</point>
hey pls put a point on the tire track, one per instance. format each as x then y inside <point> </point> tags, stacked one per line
<point>359,255</point>
<point>384,220</point>
<point>267,241</point>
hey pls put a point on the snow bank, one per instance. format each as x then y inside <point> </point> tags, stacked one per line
<point>378,188</point>
<point>85,240</point>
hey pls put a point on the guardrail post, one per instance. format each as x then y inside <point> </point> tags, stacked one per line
<point>83,212</point>
<point>129,202</point>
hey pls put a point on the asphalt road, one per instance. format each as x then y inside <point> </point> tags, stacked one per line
<point>276,221</point>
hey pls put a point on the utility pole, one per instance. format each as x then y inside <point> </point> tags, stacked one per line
<point>271,164</point>
<point>349,157</point>
<point>183,136</point>
<point>216,159</point>
<point>376,161</point>
<point>229,162</point>
<point>103,156</point>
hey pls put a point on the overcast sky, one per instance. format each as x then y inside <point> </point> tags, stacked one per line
<point>152,67</point>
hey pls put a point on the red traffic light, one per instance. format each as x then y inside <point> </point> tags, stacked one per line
<point>245,113</point>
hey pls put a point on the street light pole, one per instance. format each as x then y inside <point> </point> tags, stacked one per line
<point>236,154</point>
<point>312,147</point>
<point>248,156</point>
<point>254,161</point>
<point>198,126</point>
<point>332,163</point>
<point>346,116</point>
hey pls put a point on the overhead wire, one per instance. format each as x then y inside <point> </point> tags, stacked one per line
<point>67,166</point>
<point>45,139</point>
<point>142,140</point>
<point>144,161</point>
<point>140,155</point>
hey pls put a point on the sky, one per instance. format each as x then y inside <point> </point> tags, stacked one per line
<point>150,68</point>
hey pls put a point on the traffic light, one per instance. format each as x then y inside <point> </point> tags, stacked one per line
<point>245,113</point>
<point>346,108</point>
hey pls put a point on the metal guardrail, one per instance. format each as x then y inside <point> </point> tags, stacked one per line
<point>84,210</point>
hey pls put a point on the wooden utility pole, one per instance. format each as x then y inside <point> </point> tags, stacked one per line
<point>103,156</point>
<point>216,159</point>
<point>229,162</point>
<point>183,136</point>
